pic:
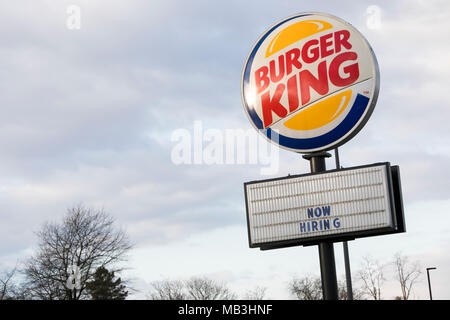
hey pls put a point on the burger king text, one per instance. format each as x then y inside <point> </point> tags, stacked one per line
<point>282,70</point>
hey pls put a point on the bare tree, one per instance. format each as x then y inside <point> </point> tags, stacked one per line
<point>407,273</point>
<point>372,277</point>
<point>306,288</point>
<point>196,288</point>
<point>202,288</point>
<point>7,286</point>
<point>168,290</point>
<point>310,288</point>
<point>74,249</point>
<point>342,291</point>
<point>258,293</point>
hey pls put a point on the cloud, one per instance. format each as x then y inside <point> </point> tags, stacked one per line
<point>87,115</point>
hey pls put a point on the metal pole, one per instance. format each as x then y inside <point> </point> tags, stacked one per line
<point>348,274</point>
<point>429,283</point>
<point>336,158</point>
<point>326,250</point>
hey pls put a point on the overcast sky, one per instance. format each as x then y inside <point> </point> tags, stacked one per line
<point>87,116</point>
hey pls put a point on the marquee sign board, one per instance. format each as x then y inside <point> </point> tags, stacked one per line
<point>310,83</point>
<point>334,206</point>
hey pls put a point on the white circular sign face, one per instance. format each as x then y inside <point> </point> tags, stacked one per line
<point>310,83</point>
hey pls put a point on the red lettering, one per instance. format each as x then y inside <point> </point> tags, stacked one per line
<point>292,60</point>
<point>268,105</point>
<point>341,72</point>
<point>315,51</point>
<point>324,44</point>
<point>341,39</point>
<point>273,76</point>
<point>352,70</point>
<point>261,79</point>
<point>292,91</point>
<point>307,80</point>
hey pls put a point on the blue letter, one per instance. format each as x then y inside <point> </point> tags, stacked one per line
<point>302,227</point>
<point>336,223</point>
<point>326,210</point>
<point>317,212</point>
<point>310,212</point>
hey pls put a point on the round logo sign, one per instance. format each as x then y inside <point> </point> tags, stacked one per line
<point>310,83</point>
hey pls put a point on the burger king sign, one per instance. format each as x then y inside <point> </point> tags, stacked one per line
<point>310,83</point>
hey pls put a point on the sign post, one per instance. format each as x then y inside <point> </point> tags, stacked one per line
<point>348,274</point>
<point>326,249</point>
